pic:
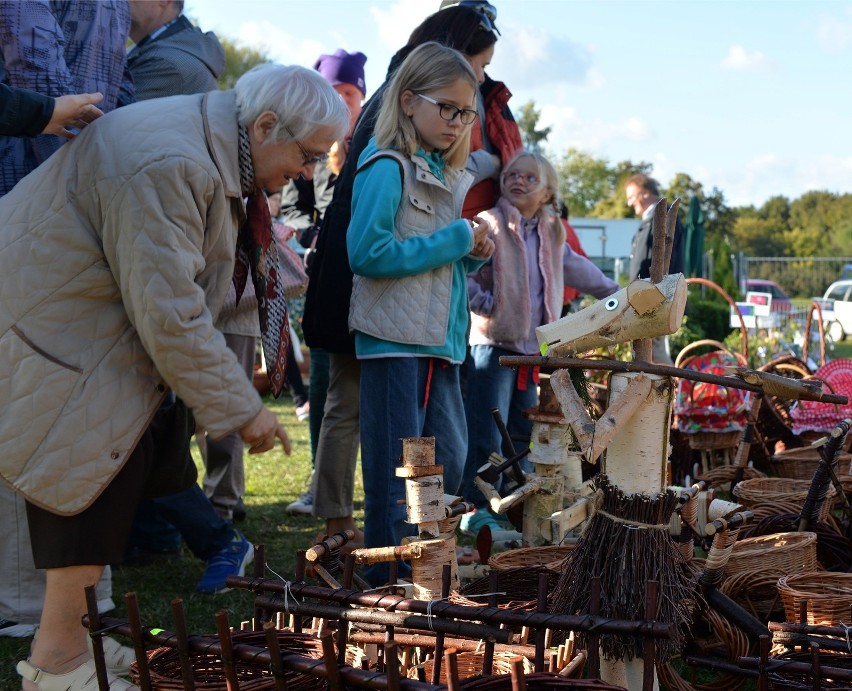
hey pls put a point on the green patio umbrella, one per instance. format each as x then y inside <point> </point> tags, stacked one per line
<point>694,240</point>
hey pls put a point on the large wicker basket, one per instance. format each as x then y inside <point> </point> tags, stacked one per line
<point>550,556</point>
<point>253,675</point>
<point>778,489</point>
<point>470,665</point>
<point>538,681</point>
<point>756,564</point>
<point>800,464</point>
<point>785,553</point>
<point>516,588</point>
<point>828,596</point>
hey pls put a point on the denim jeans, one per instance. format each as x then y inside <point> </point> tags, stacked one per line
<point>161,522</point>
<point>491,386</point>
<point>393,391</point>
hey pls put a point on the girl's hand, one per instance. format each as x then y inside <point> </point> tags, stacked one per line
<point>483,245</point>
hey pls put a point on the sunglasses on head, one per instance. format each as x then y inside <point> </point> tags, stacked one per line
<point>487,13</point>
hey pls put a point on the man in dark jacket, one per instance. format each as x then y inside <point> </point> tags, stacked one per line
<point>171,56</point>
<point>643,193</point>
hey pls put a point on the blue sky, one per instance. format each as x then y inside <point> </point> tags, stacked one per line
<point>748,96</point>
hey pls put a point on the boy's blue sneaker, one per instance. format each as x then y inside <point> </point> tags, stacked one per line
<point>231,561</point>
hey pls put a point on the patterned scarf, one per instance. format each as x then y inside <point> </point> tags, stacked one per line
<point>257,254</point>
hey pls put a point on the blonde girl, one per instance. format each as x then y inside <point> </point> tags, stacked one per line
<point>520,288</point>
<point>410,252</point>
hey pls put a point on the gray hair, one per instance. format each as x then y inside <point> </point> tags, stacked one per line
<point>301,98</point>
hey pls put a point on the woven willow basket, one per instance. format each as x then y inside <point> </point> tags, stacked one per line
<point>538,681</point>
<point>209,674</point>
<point>779,489</point>
<point>800,464</point>
<point>828,595</point>
<point>517,588</point>
<point>470,665</point>
<point>785,553</point>
<point>550,556</point>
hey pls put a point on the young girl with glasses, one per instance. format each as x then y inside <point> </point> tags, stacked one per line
<point>410,252</point>
<point>520,288</point>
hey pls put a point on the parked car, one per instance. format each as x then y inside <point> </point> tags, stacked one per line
<point>846,272</point>
<point>836,307</point>
<point>781,303</point>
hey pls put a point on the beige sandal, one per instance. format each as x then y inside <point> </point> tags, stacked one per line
<point>118,657</point>
<point>84,678</point>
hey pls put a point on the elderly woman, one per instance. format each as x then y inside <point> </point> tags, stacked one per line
<point>115,257</point>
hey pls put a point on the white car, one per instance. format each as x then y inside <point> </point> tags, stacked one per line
<point>836,307</point>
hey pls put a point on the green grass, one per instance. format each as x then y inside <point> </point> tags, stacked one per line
<point>273,480</point>
<point>843,349</point>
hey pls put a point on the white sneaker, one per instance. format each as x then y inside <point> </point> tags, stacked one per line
<point>13,629</point>
<point>303,505</point>
<point>303,412</point>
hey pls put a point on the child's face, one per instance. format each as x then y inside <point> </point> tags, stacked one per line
<point>523,188</point>
<point>435,132</point>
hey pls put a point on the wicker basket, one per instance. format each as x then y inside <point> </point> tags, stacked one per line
<point>785,553</point>
<point>720,475</point>
<point>778,489</point>
<point>710,441</point>
<point>550,556</point>
<point>517,588</point>
<point>538,681</point>
<point>253,675</point>
<point>800,464</point>
<point>828,595</point>
<point>756,592</point>
<point>783,680</point>
<point>470,665</point>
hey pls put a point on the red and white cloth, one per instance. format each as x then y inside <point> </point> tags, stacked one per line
<point>823,417</point>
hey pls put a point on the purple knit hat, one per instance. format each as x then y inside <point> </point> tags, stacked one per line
<point>343,68</point>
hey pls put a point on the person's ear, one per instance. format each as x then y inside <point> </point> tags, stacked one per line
<point>406,102</point>
<point>263,125</point>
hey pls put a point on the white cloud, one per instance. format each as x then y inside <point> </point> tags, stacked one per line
<point>569,129</point>
<point>834,34</point>
<point>396,22</point>
<point>768,175</point>
<point>278,44</point>
<point>532,56</point>
<point>738,58</point>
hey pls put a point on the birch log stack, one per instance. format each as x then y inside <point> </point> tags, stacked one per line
<point>429,550</point>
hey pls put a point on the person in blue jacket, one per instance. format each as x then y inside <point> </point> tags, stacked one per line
<point>410,252</point>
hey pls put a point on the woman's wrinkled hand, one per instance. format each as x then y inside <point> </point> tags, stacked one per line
<point>262,431</point>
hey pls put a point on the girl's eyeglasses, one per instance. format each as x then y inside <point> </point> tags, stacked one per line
<point>529,178</point>
<point>449,113</point>
<point>308,159</point>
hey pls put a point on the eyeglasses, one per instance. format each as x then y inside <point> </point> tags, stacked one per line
<point>449,113</point>
<point>308,159</point>
<point>529,178</point>
<point>487,12</point>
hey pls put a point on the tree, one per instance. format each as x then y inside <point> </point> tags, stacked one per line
<point>583,180</point>
<point>528,122</point>
<point>614,205</point>
<point>238,60</point>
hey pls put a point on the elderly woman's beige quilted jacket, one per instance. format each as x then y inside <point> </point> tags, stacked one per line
<point>115,257</point>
